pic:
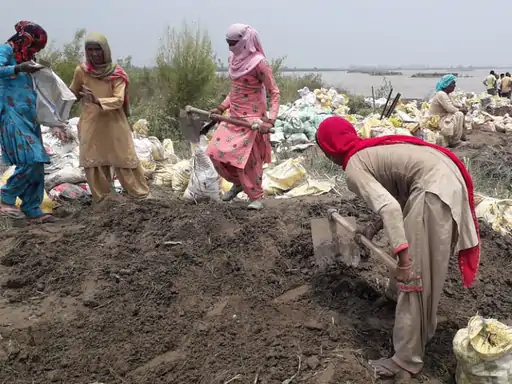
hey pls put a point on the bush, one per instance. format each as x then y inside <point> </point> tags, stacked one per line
<point>186,71</point>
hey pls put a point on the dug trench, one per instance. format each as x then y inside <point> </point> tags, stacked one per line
<point>165,292</point>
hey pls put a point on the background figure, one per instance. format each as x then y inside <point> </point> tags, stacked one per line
<point>506,86</point>
<point>498,84</point>
<point>105,135</point>
<point>451,122</point>
<point>239,153</point>
<point>490,83</point>
<point>20,133</point>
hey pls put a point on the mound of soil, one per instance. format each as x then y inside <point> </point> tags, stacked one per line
<point>163,292</point>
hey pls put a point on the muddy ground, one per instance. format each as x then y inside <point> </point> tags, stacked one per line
<point>163,292</point>
<point>156,292</point>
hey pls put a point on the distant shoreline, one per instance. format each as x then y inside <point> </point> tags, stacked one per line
<point>370,71</point>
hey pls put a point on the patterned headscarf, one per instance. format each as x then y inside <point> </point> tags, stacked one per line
<point>29,39</point>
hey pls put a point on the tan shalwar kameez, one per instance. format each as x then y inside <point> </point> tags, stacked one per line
<point>106,140</point>
<point>422,198</point>
<point>451,123</point>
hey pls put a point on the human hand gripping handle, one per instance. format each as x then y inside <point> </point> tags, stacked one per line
<point>404,272</point>
<point>262,126</point>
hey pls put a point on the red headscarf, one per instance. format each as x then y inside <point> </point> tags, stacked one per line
<point>338,138</point>
<point>29,39</point>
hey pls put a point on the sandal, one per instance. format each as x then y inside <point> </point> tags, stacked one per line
<point>11,212</point>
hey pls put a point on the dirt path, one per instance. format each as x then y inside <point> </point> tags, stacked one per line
<point>158,292</point>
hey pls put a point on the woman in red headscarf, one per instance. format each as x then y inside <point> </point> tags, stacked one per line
<point>424,196</point>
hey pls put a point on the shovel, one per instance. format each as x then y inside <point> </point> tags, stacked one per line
<point>193,127</point>
<point>334,239</point>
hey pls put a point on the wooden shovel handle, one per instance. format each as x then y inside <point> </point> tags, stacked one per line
<point>240,123</point>
<point>381,255</point>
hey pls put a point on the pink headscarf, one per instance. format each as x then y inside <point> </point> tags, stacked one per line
<point>247,53</point>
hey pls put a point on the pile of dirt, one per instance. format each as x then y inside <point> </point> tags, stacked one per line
<point>163,292</point>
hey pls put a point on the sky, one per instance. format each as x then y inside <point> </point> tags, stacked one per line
<point>319,33</point>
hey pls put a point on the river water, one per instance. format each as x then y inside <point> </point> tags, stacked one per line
<point>411,88</point>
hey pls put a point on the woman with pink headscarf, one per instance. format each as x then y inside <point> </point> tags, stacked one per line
<point>239,153</point>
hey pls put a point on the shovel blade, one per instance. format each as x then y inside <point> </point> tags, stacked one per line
<point>190,126</point>
<point>333,243</point>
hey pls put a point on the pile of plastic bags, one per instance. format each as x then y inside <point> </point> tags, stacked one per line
<point>65,179</point>
<point>297,122</point>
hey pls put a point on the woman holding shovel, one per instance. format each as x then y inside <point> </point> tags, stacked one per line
<point>424,195</point>
<point>239,153</point>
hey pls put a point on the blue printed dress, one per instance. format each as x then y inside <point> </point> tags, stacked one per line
<point>20,137</point>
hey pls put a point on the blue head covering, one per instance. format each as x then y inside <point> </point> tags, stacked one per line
<point>445,81</point>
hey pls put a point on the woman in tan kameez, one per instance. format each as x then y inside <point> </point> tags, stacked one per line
<point>424,196</point>
<point>451,114</point>
<point>104,132</point>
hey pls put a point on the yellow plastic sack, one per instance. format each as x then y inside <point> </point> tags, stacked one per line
<point>351,118</point>
<point>309,188</point>
<point>431,122</point>
<point>371,123</point>
<point>496,212</point>
<point>148,167</point>
<point>283,177</point>
<point>224,185</point>
<point>141,127</point>
<point>181,175</point>
<point>484,352</point>
<point>163,175</point>
<point>395,121</point>
<point>46,206</point>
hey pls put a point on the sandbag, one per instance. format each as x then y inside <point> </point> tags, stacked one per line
<point>283,177</point>
<point>181,175</point>
<point>496,212</point>
<point>204,180</point>
<point>68,191</point>
<point>484,352</point>
<point>141,128</point>
<point>54,98</point>
<point>46,206</point>
<point>143,147</point>
<point>157,149</point>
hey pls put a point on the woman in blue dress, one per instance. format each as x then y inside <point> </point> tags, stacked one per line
<point>20,133</point>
